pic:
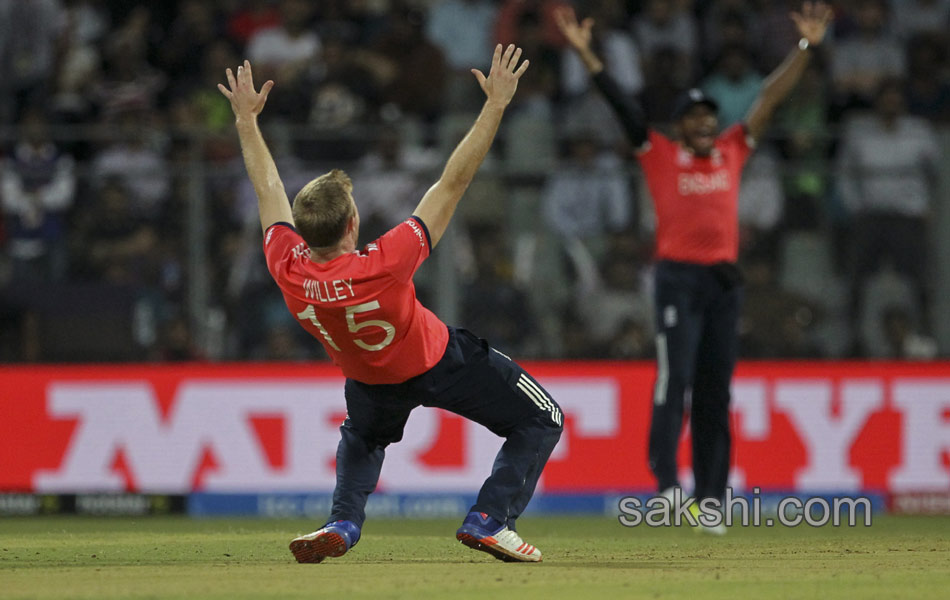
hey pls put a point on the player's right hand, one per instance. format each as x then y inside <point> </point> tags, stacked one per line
<point>245,101</point>
<point>578,35</point>
<point>502,80</point>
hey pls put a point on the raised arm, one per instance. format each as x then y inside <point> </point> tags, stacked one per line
<point>247,103</point>
<point>627,110</point>
<point>438,204</point>
<point>812,23</point>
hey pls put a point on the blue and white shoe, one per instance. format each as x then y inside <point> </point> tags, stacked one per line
<point>333,540</point>
<point>481,532</point>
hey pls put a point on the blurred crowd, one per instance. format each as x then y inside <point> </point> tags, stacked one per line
<point>113,129</point>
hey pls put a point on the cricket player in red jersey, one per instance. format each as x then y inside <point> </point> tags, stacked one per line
<point>694,181</point>
<point>396,354</point>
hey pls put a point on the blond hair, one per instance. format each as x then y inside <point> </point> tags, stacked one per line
<point>323,208</point>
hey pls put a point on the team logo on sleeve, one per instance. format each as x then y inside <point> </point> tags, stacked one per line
<point>301,249</point>
<point>418,230</point>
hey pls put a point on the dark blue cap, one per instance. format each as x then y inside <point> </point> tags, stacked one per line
<point>690,99</point>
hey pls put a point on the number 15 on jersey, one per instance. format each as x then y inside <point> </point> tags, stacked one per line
<point>309,314</point>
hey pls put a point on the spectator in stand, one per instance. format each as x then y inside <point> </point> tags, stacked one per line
<point>887,170</point>
<point>286,53</point>
<point>775,323</point>
<point>734,84</point>
<point>778,33</point>
<point>587,195</point>
<point>29,35</point>
<point>129,81</point>
<point>668,75</point>
<point>531,24</point>
<point>728,22</point>
<point>861,61</point>
<point>463,30</point>
<point>343,95</point>
<point>418,66</point>
<point>140,168</point>
<point>252,17</point>
<point>88,20</point>
<point>211,111</point>
<point>491,303</point>
<point>616,45</point>
<point>802,132</point>
<point>390,179</point>
<point>507,26</point>
<point>611,298</point>
<point>195,28</point>
<point>37,188</point>
<point>665,24</point>
<point>761,201</point>
<point>113,244</point>
<point>86,24</point>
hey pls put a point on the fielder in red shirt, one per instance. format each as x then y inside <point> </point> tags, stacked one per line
<point>396,354</point>
<point>693,179</point>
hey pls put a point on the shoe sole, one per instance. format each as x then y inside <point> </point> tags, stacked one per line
<point>476,544</point>
<point>314,551</point>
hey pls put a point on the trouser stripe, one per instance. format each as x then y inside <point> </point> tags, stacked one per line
<point>555,413</point>
<point>539,398</point>
<point>531,396</point>
<point>662,370</point>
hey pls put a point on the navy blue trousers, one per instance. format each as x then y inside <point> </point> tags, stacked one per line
<point>697,311</point>
<point>471,380</point>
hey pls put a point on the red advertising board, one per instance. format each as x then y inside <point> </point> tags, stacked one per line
<point>804,427</point>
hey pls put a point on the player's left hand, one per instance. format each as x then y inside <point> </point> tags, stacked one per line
<point>502,80</point>
<point>813,21</point>
<point>245,101</point>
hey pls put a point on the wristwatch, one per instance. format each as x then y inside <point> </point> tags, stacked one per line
<point>803,44</point>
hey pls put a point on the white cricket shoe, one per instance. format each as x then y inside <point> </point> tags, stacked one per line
<point>481,532</point>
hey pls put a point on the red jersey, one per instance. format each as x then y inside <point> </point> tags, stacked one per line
<point>362,306</point>
<point>696,199</point>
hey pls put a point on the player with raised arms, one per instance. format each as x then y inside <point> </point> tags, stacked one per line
<point>694,182</point>
<point>396,354</point>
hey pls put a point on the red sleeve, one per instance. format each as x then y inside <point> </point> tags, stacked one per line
<point>403,248</point>
<point>736,139</point>
<point>282,246</point>
<point>655,151</point>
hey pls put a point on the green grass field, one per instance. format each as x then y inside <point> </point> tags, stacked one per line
<point>164,557</point>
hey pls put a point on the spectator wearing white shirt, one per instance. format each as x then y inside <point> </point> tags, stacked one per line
<point>887,170</point>
<point>286,52</point>
<point>587,195</point>
<point>861,61</point>
<point>140,168</point>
